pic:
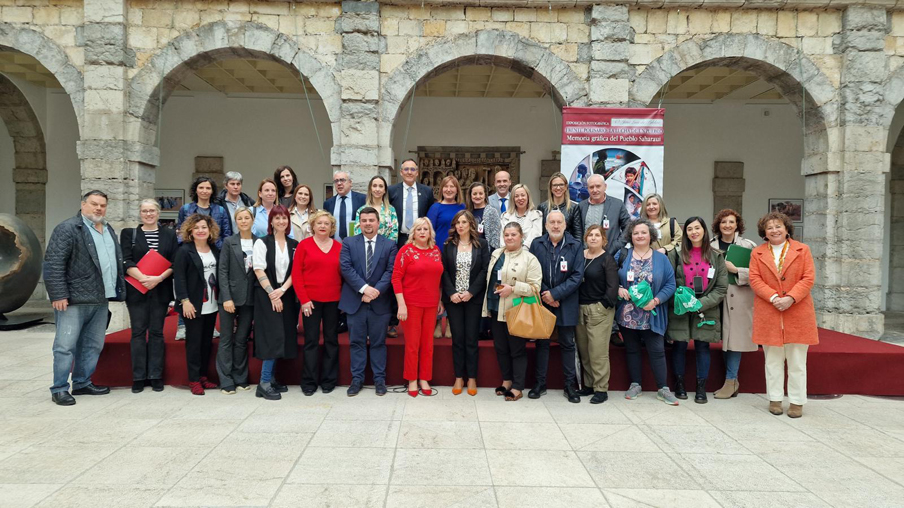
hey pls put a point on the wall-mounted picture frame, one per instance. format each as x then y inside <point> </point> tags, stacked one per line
<point>793,208</point>
<point>799,231</point>
<point>327,191</point>
<point>170,200</point>
<point>168,219</point>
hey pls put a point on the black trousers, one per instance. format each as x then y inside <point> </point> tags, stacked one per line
<point>232,353</point>
<point>511,353</point>
<point>198,341</point>
<point>326,314</point>
<point>569,358</point>
<point>146,319</point>
<point>464,320</point>
<point>655,344</point>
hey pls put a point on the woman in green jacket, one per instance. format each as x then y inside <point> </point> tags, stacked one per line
<point>702,269</point>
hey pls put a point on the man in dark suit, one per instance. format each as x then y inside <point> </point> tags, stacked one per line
<point>366,262</point>
<point>409,198</point>
<point>344,204</point>
<point>606,211</point>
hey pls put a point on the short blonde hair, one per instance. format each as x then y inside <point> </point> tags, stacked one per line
<point>530,200</point>
<point>149,201</point>
<point>417,223</point>
<point>320,214</point>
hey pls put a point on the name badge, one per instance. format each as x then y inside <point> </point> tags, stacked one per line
<point>480,228</point>
<point>605,223</point>
<point>499,275</point>
<point>563,266</point>
<point>630,276</point>
<point>711,273</point>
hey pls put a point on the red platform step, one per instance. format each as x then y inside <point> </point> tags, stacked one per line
<point>840,364</point>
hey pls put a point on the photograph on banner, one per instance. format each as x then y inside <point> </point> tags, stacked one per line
<point>624,146</point>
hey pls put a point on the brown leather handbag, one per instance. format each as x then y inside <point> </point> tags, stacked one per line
<point>529,319</point>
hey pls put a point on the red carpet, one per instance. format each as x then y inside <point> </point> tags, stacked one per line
<point>840,364</point>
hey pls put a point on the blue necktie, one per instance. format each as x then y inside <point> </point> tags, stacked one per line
<point>343,223</point>
<point>502,208</point>
<point>409,209</point>
<point>370,256</point>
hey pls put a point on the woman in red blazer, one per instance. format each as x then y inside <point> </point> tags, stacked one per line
<point>784,318</point>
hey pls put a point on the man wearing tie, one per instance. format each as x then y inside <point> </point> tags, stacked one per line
<point>410,199</point>
<point>344,204</point>
<point>501,199</point>
<point>366,263</point>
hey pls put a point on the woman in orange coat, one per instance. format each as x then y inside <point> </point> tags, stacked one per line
<point>784,319</point>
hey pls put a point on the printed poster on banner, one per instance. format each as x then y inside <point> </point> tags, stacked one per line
<point>625,146</point>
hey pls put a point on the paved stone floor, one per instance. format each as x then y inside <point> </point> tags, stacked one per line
<point>175,449</point>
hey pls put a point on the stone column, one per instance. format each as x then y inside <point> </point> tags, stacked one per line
<point>110,162</point>
<point>611,36</point>
<point>357,150</point>
<point>895,299</point>
<point>849,266</point>
<point>728,186</point>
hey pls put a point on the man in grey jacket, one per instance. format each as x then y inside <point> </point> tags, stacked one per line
<point>82,273</point>
<point>608,212</point>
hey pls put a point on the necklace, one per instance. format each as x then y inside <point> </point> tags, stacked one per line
<point>781,257</point>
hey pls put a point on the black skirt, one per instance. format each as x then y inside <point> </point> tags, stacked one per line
<point>275,333</point>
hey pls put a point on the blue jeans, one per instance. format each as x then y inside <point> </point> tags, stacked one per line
<point>267,371</point>
<point>732,364</point>
<point>701,354</point>
<point>80,331</point>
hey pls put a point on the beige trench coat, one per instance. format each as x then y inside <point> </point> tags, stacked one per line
<point>737,309</point>
<point>521,270</point>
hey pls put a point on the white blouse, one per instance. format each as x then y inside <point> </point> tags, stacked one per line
<point>282,260</point>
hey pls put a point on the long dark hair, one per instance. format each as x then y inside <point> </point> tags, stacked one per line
<point>686,244</point>
<point>472,223</point>
<point>193,190</point>
<point>277,177</point>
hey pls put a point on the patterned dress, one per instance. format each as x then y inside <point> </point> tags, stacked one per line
<point>389,222</point>
<point>630,316</point>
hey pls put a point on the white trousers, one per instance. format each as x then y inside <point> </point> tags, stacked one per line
<point>796,357</point>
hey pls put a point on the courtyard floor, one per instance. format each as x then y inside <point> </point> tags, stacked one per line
<point>175,449</point>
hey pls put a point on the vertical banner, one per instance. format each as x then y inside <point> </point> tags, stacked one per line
<point>624,145</point>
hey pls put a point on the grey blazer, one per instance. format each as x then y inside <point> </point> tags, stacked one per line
<point>235,282</point>
<point>614,210</point>
<point>494,201</point>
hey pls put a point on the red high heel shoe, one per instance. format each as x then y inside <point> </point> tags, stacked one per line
<point>412,393</point>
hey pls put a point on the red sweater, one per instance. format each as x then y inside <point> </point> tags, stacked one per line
<point>416,274</point>
<point>315,274</point>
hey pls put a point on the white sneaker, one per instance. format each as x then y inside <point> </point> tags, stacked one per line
<point>180,332</point>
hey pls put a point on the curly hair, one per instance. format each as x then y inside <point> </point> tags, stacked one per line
<point>418,223</point>
<point>323,213</point>
<point>726,213</point>
<point>629,230</point>
<point>771,216</point>
<point>192,221</point>
<point>472,232</point>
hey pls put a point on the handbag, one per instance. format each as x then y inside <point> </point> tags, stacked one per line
<point>529,319</point>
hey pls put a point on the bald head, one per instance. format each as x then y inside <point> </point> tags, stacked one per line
<point>596,186</point>
<point>503,182</point>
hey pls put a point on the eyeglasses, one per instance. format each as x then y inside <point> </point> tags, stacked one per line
<point>340,180</point>
<point>148,212</point>
<point>558,185</point>
<point>409,170</point>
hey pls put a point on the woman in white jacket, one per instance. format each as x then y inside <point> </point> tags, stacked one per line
<point>737,308</point>
<point>525,214</point>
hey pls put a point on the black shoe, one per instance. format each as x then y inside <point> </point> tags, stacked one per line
<point>616,340</point>
<point>342,328</point>
<point>92,389</point>
<point>536,392</point>
<point>599,398</point>
<point>278,387</point>
<point>700,397</point>
<point>63,399</point>
<point>572,395</point>
<point>586,391</point>
<point>380,388</point>
<point>137,386</point>
<point>680,392</point>
<point>157,385</point>
<point>268,393</point>
<point>354,388</point>
<point>327,389</point>
<point>308,391</point>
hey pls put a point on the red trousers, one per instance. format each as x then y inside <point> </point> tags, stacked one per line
<point>418,329</point>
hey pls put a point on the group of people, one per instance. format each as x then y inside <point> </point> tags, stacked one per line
<point>396,256</point>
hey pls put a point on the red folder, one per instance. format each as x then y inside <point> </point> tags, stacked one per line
<point>152,264</point>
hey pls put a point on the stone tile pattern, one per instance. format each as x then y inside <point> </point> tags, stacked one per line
<point>175,449</point>
<point>840,65</point>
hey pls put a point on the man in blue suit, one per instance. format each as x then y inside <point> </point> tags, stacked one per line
<point>344,204</point>
<point>366,262</point>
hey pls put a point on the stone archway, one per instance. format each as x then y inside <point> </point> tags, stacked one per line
<point>218,41</point>
<point>496,47</point>
<point>30,170</point>
<point>52,57</point>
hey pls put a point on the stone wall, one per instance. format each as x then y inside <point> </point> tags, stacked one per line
<point>841,67</point>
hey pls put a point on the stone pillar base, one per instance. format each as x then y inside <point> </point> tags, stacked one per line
<point>870,326</point>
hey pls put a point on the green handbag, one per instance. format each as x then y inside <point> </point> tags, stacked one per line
<point>641,294</point>
<point>686,301</point>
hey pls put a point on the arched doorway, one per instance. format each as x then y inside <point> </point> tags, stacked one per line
<point>478,103</point>
<point>280,104</point>
<point>893,265</point>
